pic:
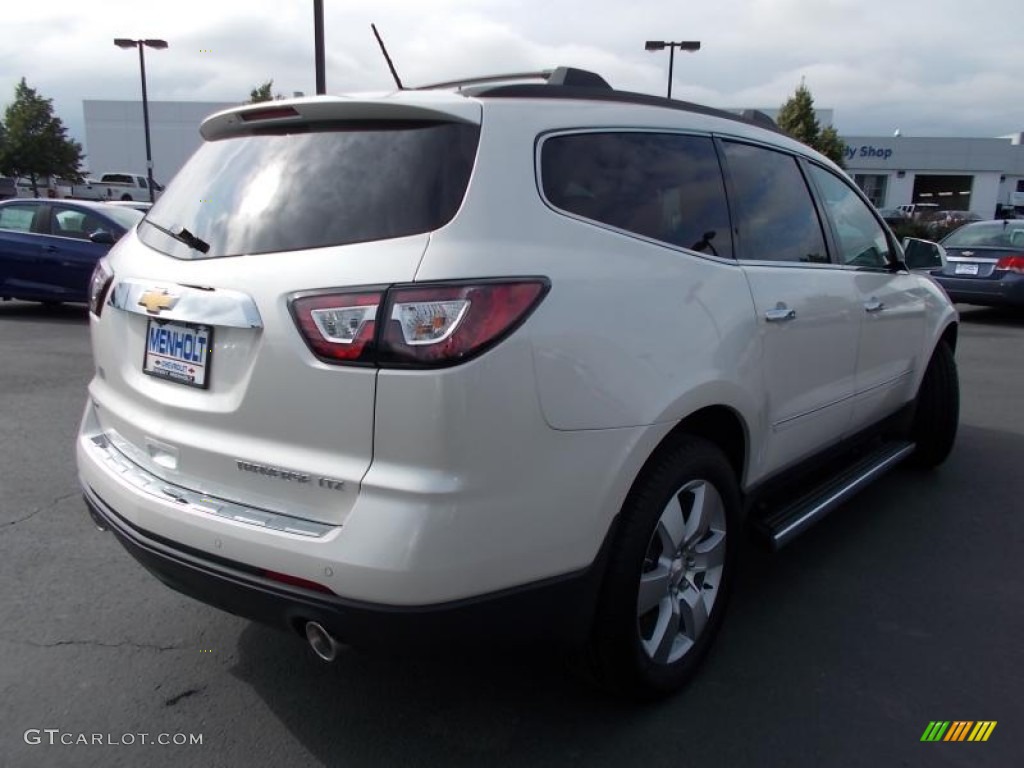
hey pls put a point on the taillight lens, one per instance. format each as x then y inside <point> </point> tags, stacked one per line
<point>99,284</point>
<point>432,325</point>
<point>339,327</point>
<point>1011,264</point>
<point>438,325</point>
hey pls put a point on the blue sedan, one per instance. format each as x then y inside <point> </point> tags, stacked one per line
<point>48,248</point>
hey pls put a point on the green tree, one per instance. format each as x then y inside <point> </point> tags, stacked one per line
<point>797,118</point>
<point>263,93</point>
<point>35,144</point>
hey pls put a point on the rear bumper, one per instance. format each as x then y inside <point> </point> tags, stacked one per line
<point>1006,291</point>
<point>559,608</point>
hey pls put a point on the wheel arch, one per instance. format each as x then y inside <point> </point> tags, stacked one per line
<point>950,334</point>
<point>721,425</point>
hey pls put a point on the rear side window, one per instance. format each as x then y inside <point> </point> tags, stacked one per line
<point>774,211</point>
<point>995,234</point>
<point>18,217</point>
<point>330,185</point>
<point>664,186</point>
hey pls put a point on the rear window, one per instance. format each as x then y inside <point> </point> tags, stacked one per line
<point>330,185</point>
<point>988,234</point>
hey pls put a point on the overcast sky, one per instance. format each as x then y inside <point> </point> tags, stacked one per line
<point>927,67</point>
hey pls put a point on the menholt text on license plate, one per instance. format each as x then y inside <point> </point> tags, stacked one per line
<point>178,352</point>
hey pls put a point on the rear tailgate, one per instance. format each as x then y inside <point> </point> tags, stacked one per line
<point>273,427</point>
<point>977,262</point>
<point>203,377</point>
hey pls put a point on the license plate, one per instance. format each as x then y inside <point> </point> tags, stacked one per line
<point>966,269</point>
<point>179,352</point>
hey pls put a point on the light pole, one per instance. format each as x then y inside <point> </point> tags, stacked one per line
<point>122,42</point>
<point>660,45</point>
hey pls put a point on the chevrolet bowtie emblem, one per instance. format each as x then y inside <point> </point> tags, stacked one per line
<point>156,300</point>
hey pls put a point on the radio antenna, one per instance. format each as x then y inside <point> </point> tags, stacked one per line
<point>394,74</point>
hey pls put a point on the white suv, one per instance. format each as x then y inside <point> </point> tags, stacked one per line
<point>514,356</point>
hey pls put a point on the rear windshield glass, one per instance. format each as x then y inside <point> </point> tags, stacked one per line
<point>989,234</point>
<point>330,185</point>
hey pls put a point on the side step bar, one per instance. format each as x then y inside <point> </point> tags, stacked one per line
<point>789,521</point>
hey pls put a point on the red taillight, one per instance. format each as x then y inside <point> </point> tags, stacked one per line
<point>432,325</point>
<point>295,581</point>
<point>339,327</point>
<point>441,325</point>
<point>99,284</point>
<point>1011,264</point>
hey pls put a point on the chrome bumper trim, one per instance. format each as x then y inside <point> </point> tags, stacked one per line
<point>103,448</point>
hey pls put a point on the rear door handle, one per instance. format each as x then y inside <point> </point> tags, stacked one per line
<point>50,249</point>
<point>781,314</point>
<point>874,305</point>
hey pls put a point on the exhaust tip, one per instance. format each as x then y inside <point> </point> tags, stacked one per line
<point>321,641</point>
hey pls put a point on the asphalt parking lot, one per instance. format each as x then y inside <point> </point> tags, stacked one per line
<point>904,607</point>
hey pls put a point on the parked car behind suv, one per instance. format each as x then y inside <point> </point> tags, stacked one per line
<point>986,263</point>
<point>384,369</point>
<point>49,248</point>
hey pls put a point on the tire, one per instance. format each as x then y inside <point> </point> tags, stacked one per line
<point>937,411</point>
<point>669,571</point>
<point>126,197</point>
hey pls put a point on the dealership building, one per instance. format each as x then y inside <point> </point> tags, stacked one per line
<point>958,174</point>
<point>967,174</point>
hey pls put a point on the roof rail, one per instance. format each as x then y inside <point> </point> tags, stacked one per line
<point>571,76</point>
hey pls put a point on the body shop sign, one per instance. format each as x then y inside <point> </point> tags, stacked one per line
<point>865,151</point>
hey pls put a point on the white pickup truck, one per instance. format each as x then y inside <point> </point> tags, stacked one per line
<point>115,186</point>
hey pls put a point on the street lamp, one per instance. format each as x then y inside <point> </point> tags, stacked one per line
<point>122,42</point>
<point>661,45</point>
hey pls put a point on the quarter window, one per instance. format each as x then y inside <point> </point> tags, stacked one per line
<point>862,241</point>
<point>774,211</point>
<point>667,187</point>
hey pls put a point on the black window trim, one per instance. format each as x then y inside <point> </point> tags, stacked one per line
<point>557,132</point>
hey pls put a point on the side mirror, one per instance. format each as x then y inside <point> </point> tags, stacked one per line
<point>923,255</point>
<point>102,237</point>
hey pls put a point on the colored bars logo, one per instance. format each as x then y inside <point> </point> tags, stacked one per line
<point>958,730</point>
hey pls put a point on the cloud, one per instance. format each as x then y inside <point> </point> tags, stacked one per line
<point>933,67</point>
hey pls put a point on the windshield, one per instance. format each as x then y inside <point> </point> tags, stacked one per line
<point>988,234</point>
<point>330,185</point>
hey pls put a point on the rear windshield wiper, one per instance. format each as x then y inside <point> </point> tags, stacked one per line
<point>184,236</point>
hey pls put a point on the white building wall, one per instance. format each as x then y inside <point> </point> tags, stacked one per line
<point>987,161</point>
<point>985,193</point>
<point>900,190</point>
<point>115,137</point>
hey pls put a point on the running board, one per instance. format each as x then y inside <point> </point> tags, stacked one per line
<point>789,521</point>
